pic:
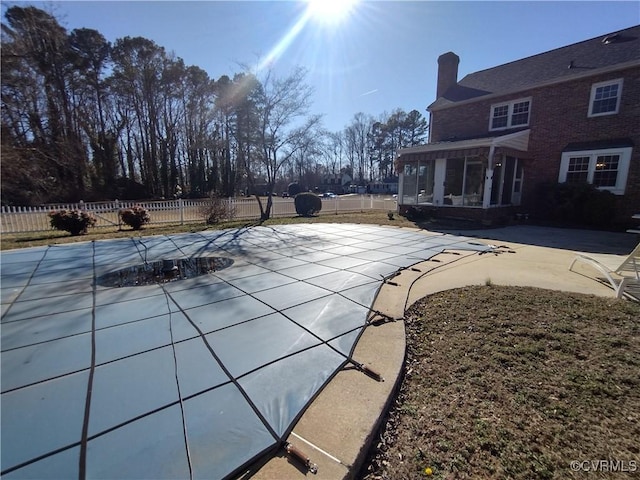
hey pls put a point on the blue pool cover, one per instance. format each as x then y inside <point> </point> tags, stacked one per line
<point>195,378</point>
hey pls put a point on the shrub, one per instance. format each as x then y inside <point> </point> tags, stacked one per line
<point>416,214</point>
<point>216,209</point>
<point>76,222</point>
<point>135,216</point>
<point>307,204</point>
<point>576,204</point>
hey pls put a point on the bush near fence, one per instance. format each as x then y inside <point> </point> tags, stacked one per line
<point>180,211</point>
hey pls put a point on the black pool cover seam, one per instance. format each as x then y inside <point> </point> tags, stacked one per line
<point>82,469</point>
<point>180,399</point>
<point>25,285</point>
<point>227,372</point>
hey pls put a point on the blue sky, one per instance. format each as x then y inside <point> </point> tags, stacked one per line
<point>382,57</point>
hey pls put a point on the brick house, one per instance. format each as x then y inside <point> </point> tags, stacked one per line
<point>567,115</point>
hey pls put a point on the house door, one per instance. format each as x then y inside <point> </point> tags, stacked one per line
<point>509,174</point>
<point>516,198</point>
<point>506,187</point>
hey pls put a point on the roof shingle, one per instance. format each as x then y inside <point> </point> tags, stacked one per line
<point>562,63</point>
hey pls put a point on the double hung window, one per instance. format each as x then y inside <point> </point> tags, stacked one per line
<point>510,114</point>
<point>605,98</point>
<point>605,169</point>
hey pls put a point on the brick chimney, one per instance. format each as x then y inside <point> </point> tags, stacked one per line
<point>447,72</point>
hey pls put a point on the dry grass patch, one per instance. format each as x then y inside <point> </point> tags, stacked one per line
<point>508,382</point>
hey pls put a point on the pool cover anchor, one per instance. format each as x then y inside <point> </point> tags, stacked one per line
<point>369,372</point>
<point>379,318</point>
<point>301,457</point>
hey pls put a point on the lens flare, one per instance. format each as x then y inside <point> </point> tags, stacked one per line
<point>327,15</point>
<point>330,12</point>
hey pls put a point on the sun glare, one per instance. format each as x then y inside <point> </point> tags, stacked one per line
<point>330,12</point>
<point>329,15</point>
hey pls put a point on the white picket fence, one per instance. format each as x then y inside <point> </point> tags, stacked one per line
<point>180,211</point>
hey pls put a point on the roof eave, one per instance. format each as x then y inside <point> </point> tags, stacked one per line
<point>517,141</point>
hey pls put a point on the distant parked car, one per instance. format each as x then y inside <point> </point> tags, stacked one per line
<point>285,194</point>
<point>329,195</point>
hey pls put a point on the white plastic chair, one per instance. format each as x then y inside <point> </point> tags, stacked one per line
<point>625,279</point>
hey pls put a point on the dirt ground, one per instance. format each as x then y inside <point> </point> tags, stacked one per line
<point>515,383</point>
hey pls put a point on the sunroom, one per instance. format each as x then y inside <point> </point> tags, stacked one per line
<point>477,174</point>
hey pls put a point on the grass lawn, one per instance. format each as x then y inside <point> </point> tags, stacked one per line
<point>514,383</point>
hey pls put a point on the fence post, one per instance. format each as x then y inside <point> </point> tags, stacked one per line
<point>117,208</point>
<point>181,205</point>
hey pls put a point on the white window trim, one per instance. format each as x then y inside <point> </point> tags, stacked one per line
<point>623,166</point>
<point>592,97</point>
<point>510,104</point>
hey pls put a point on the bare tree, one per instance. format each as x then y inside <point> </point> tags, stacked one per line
<point>357,136</point>
<point>307,162</point>
<point>284,126</point>
<point>334,152</point>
